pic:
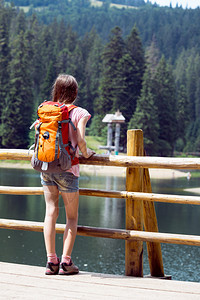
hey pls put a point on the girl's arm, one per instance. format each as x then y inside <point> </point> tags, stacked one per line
<point>81,138</point>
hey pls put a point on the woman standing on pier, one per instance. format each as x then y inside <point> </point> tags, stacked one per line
<point>65,91</point>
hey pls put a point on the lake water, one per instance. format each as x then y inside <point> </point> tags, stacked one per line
<point>97,254</point>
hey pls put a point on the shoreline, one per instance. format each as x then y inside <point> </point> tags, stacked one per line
<point>106,170</point>
<point>193,190</point>
<point>120,171</point>
<point>92,170</point>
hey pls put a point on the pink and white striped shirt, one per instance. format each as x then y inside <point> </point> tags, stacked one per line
<point>76,115</point>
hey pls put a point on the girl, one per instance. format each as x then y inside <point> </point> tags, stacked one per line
<point>65,91</point>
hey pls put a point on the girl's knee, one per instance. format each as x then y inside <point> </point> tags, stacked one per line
<point>72,222</point>
<point>52,211</point>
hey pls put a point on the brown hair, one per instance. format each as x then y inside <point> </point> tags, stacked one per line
<point>65,89</point>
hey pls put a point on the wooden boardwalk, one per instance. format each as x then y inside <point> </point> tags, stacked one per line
<point>29,282</point>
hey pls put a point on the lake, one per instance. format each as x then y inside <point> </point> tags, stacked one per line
<point>98,254</point>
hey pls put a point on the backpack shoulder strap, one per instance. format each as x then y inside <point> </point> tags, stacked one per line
<point>70,107</point>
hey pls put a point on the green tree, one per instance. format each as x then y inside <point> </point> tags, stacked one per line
<point>152,56</point>
<point>47,48</point>
<point>130,73</point>
<point>112,54</point>
<point>4,58</point>
<point>182,117</point>
<point>108,86</point>
<point>18,23</point>
<point>18,109</point>
<point>66,45</point>
<point>127,80</point>
<point>191,85</point>
<point>93,70</point>
<point>197,97</point>
<point>135,49</point>
<point>165,98</point>
<point>37,60</point>
<point>46,87</point>
<point>187,73</point>
<point>146,116</point>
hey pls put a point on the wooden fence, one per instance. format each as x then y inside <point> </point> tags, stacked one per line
<point>140,210</point>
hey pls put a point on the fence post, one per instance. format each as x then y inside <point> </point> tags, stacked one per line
<point>134,208</point>
<point>150,224</point>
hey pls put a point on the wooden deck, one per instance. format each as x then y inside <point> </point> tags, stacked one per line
<point>29,282</point>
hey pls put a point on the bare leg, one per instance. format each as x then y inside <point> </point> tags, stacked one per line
<point>51,195</point>
<point>71,202</point>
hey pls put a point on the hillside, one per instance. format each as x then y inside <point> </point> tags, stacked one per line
<point>174,29</point>
<point>38,6</point>
<point>93,3</point>
<point>144,62</point>
<point>96,3</point>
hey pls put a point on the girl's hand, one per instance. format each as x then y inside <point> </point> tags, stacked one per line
<point>89,153</point>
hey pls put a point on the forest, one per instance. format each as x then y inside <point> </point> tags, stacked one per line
<point>143,61</point>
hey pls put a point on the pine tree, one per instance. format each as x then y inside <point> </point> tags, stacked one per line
<point>180,67</point>
<point>18,109</point>
<point>112,54</point>
<point>4,58</point>
<point>152,56</point>
<point>38,68</point>
<point>165,99</point>
<point>187,73</point>
<point>191,86</point>
<point>129,79</point>
<point>46,87</point>
<point>108,87</point>
<point>66,53</point>
<point>135,49</point>
<point>47,48</point>
<point>146,116</point>
<point>93,74</point>
<point>182,117</point>
<point>18,24</point>
<point>130,73</point>
<point>197,97</point>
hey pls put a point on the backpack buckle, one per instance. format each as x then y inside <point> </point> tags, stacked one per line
<point>46,135</point>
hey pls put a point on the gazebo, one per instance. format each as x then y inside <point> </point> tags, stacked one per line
<point>116,118</point>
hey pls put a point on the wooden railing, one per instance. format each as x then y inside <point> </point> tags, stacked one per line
<point>140,211</point>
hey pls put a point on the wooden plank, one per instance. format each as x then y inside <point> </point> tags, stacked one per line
<point>16,154</point>
<point>130,235</point>
<point>194,200</point>
<point>117,160</point>
<point>150,224</point>
<point>29,282</point>
<point>17,190</point>
<point>134,208</point>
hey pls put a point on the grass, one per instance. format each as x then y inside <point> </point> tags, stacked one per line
<point>93,142</point>
<point>14,161</point>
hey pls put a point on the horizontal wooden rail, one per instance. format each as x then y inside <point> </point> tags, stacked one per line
<point>130,235</point>
<point>195,200</point>
<point>117,160</point>
<point>17,190</point>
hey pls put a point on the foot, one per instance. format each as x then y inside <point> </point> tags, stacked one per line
<point>52,269</point>
<point>68,269</point>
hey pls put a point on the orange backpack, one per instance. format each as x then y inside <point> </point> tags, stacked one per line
<point>53,152</point>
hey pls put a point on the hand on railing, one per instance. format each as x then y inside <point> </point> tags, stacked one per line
<point>89,153</point>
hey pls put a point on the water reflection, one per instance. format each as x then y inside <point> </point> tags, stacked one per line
<point>95,254</point>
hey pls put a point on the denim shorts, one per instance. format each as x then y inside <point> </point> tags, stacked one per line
<point>65,182</point>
